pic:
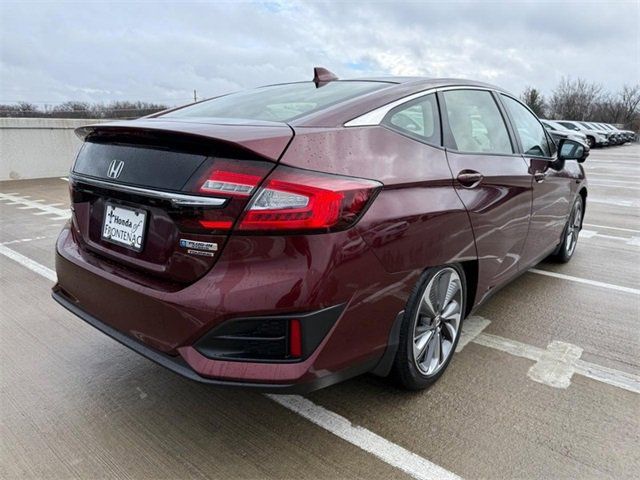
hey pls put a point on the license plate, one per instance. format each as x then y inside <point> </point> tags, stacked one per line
<point>124,226</point>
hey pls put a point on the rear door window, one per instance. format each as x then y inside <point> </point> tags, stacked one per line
<point>531,132</point>
<point>418,119</point>
<point>475,123</point>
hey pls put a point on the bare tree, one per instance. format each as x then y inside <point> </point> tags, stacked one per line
<point>575,99</point>
<point>534,100</point>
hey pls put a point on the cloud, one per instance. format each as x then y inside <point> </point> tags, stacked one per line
<point>161,51</point>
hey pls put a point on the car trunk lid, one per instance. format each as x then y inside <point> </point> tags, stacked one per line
<point>158,198</point>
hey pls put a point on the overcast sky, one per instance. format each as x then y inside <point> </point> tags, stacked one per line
<point>160,51</point>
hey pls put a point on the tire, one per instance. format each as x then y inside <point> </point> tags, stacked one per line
<point>571,231</point>
<point>591,142</point>
<point>426,332</point>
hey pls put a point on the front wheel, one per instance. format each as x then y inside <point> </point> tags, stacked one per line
<point>571,231</point>
<point>431,327</point>
<point>591,142</point>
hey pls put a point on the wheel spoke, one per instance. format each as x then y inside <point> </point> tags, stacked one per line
<point>426,306</point>
<point>445,348</point>
<point>451,310</point>
<point>451,330</point>
<point>438,351</point>
<point>420,343</point>
<point>452,289</point>
<point>443,289</point>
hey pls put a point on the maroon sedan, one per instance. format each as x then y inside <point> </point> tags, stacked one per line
<point>295,235</point>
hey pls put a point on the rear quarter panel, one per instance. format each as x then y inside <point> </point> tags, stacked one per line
<point>417,221</point>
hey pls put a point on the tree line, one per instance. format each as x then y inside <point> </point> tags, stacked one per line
<point>585,101</point>
<point>81,110</point>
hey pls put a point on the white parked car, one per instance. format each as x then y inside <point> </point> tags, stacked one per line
<point>558,132</point>
<point>595,138</point>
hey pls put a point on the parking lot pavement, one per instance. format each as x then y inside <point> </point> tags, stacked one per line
<point>547,384</point>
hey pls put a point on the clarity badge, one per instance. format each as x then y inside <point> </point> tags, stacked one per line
<point>196,245</point>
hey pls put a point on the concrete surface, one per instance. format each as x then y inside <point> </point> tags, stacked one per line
<point>38,147</point>
<point>75,404</point>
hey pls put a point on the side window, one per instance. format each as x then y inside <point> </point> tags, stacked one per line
<point>475,122</point>
<point>531,132</point>
<point>418,119</point>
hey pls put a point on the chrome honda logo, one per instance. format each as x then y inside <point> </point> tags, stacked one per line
<point>115,168</point>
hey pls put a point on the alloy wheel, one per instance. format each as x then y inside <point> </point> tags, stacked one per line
<point>573,228</point>
<point>437,322</point>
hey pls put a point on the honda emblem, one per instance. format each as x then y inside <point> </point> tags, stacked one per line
<point>115,168</point>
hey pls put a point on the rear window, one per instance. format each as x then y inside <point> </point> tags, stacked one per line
<point>279,103</point>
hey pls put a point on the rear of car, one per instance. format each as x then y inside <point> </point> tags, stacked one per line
<point>193,245</point>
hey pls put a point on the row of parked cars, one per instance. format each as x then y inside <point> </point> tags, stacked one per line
<point>592,133</point>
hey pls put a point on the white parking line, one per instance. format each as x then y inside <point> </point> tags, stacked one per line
<point>25,240</point>
<point>584,233</point>
<point>586,281</point>
<point>619,202</point>
<point>554,366</point>
<point>28,263</point>
<point>609,185</point>
<point>611,180</point>
<point>368,441</point>
<point>26,203</point>
<point>611,228</point>
<point>387,451</point>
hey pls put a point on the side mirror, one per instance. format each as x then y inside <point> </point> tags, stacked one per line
<point>572,150</point>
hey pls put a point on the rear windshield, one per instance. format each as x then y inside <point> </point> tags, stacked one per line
<point>279,103</point>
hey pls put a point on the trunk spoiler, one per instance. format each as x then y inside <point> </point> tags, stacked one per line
<point>265,139</point>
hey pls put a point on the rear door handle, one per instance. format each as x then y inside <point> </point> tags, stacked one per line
<point>469,178</point>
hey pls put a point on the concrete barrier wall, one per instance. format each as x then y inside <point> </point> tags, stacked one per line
<point>38,147</point>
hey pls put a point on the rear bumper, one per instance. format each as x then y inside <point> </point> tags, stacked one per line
<point>166,326</point>
<point>177,365</point>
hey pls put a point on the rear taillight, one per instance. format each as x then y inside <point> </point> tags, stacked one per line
<point>230,183</point>
<point>234,180</point>
<point>292,199</point>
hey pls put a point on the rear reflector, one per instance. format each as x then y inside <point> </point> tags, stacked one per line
<point>292,199</point>
<point>295,339</point>
<point>216,224</point>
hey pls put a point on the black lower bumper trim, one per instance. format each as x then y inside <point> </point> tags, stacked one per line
<point>179,366</point>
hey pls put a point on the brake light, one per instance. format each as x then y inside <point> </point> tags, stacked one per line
<point>292,199</point>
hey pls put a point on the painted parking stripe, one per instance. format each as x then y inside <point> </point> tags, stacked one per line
<point>25,203</point>
<point>389,452</point>
<point>619,202</point>
<point>554,365</point>
<point>585,233</point>
<point>28,263</point>
<point>611,180</point>
<point>412,464</point>
<point>611,228</point>
<point>586,281</point>
<point>609,185</point>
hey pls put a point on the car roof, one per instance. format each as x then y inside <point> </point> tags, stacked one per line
<point>398,87</point>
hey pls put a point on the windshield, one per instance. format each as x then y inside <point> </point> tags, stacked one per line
<point>570,126</point>
<point>278,103</point>
<point>586,125</point>
<point>548,125</point>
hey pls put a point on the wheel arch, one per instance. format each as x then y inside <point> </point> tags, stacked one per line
<point>470,268</point>
<point>583,193</point>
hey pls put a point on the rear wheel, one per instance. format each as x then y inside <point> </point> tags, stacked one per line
<point>571,231</point>
<point>430,327</point>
